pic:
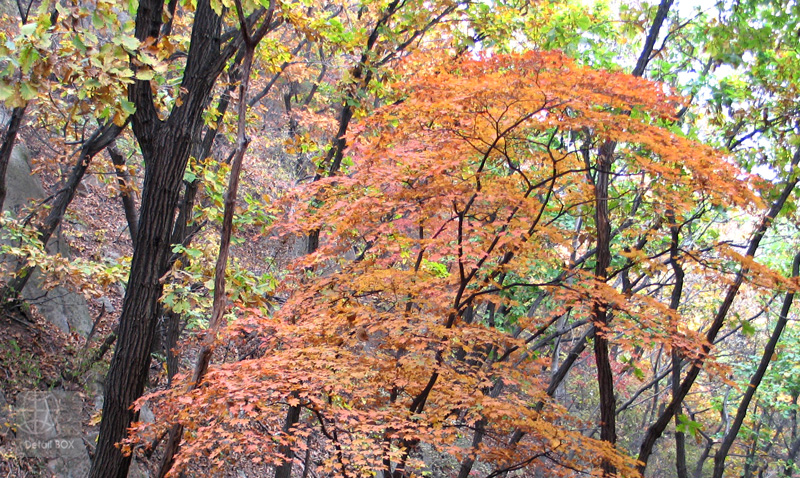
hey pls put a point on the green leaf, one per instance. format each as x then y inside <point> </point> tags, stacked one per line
<point>193,253</point>
<point>128,107</point>
<point>216,5</point>
<point>129,43</point>
<point>145,75</point>
<point>6,91</point>
<point>27,30</point>
<point>688,426</point>
<point>27,57</point>
<point>748,329</point>
<point>97,21</point>
<point>28,92</point>
<point>78,42</point>
<point>584,23</point>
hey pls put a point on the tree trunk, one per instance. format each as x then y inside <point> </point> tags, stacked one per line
<point>9,138</point>
<point>675,300</point>
<point>605,377</point>
<point>220,301</point>
<point>165,147</point>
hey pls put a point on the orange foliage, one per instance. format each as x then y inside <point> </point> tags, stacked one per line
<point>461,200</point>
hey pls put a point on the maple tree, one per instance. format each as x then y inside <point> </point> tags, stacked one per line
<point>457,207</point>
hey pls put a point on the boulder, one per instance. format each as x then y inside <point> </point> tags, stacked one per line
<point>21,185</point>
<point>62,307</point>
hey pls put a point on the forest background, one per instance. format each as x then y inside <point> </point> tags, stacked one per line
<point>410,238</point>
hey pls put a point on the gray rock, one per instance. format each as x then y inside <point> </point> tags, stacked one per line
<point>20,183</point>
<point>8,7</point>
<point>70,467</point>
<point>106,304</point>
<point>49,428</point>
<point>5,416</point>
<point>137,471</point>
<point>146,415</point>
<point>63,308</point>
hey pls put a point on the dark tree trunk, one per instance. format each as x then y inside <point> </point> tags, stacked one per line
<point>675,300</point>
<point>165,146</point>
<point>220,301</point>
<point>605,377</point>
<point>9,138</point>
<point>292,417</point>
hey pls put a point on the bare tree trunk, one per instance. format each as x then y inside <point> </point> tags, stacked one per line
<point>675,300</point>
<point>600,313</point>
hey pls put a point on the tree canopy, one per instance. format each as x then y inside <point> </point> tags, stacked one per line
<point>404,238</point>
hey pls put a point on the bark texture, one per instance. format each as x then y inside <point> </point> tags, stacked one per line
<point>165,145</point>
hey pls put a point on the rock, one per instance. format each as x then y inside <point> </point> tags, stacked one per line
<point>88,184</point>
<point>20,184</point>
<point>146,415</point>
<point>106,304</point>
<point>110,255</point>
<point>49,428</point>
<point>137,471</point>
<point>7,7</point>
<point>71,467</point>
<point>96,387</point>
<point>5,417</point>
<point>65,309</point>
<point>61,307</point>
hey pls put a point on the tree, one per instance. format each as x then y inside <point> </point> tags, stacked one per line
<point>461,200</point>
<point>166,146</point>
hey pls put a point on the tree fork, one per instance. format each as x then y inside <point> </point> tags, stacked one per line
<point>166,146</point>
